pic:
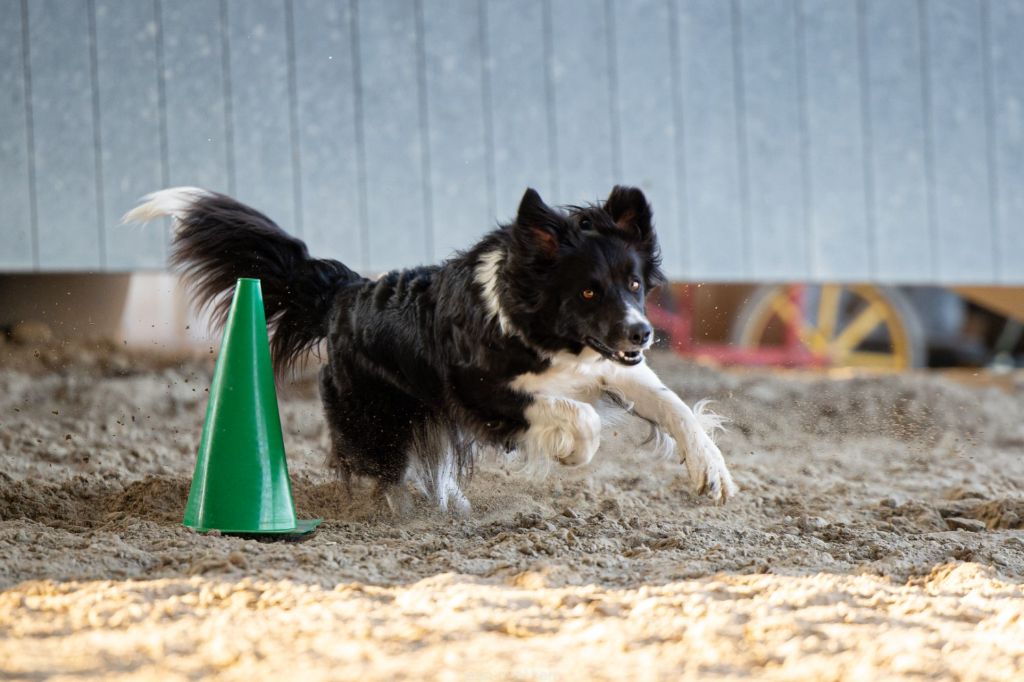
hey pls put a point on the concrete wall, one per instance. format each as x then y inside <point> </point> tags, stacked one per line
<point>69,305</point>
<point>144,310</point>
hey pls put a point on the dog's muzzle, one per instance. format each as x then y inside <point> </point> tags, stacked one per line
<point>623,357</point>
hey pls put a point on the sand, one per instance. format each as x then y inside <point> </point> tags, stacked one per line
<point>878,534</point>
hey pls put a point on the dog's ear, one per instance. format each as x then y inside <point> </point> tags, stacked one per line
<point>538,224</point>
<point>629,210</point>
<point>631,213</point>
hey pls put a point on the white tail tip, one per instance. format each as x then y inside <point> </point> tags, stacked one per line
<point>174,202</point>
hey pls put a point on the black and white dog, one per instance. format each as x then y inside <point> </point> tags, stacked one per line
<point>507,345</point>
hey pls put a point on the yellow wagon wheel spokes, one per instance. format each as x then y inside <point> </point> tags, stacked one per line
<point>789,313</point>
<point>828,311</point>
<point>842,326</point>
<point>846,345</point>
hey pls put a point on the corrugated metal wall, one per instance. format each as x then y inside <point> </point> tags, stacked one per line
<point>778,139</point>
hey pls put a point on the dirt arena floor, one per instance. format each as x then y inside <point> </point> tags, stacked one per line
<point>878,535</point>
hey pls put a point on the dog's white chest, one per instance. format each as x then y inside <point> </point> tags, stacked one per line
<point>580,377</point>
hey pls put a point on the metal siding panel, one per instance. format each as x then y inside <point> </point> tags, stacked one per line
<point>902,233</point>
<point>778,238</point>
<point>15,193</point>
<point>130,127</point>
<point>197,137</point>
<point>644,103</point>
<point>64,134</point>
<point>965,249</point>
<point>711,153</point>
<point>326,102</point>
<point>397,225</point>
<point>458,157</point>
<point>838,217</point>
<point>580,79</point>
<point>260,114</point>
<point>517,68</point>
<point>562,109</point>
<point>1007,54</point>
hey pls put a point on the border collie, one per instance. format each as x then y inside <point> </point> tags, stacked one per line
<point>508,345</point>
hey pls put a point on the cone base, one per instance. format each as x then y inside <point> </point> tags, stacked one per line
<point>302,529</point>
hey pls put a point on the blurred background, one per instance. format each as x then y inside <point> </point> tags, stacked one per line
<point>836,183</point>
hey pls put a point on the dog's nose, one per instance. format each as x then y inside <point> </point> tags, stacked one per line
<point>639,333</point>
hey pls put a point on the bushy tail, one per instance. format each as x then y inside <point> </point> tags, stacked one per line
<point>218,240</point>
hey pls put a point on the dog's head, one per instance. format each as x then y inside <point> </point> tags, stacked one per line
<point>580,277</point>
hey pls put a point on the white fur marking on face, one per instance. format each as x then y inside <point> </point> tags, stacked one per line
<point>486,275</point>
<point>636,316</point>
<point>174,202</point>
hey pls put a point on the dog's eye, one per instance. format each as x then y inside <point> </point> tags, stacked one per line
<point>634,284</point>
<point>585,224</point>
<point>588,294</point>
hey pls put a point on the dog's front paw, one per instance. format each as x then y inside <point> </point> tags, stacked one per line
<point>575,440</point>
<point>565,430</point>
<point>709,475</point>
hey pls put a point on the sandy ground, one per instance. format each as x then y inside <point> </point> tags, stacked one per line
<point>877,535</point>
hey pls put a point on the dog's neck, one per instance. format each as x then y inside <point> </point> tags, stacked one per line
<point>487,274</point>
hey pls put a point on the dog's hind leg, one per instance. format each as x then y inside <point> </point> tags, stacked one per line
<point>392,498</point>
<point>336,458</point>
<point>440,461</point>
<point>371,426</point>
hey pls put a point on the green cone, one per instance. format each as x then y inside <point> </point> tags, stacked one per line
<point>241,483</point>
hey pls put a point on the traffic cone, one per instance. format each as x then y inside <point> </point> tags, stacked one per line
<point>241,485</point>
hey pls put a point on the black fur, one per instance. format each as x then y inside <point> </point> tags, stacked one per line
<point>220,240</point>
<point>416,363</point>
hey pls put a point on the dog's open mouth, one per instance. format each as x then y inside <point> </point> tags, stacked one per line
<point>623,357</point>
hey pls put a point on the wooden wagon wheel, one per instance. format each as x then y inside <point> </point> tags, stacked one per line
<point>862,326</point>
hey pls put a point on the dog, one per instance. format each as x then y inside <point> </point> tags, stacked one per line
<point>507,346</point>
